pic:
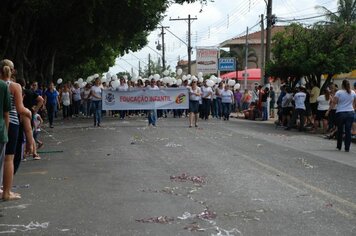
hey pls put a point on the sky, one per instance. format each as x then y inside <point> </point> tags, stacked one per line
<point>216,22</point>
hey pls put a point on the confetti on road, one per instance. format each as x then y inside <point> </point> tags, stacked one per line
<point>185,177</point>
<point>194,227</point>
<point>157,220</point>
<point>14,228</point>
<point>173,145</point>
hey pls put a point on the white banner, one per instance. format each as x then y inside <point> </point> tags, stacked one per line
<point>207,60</point>
<point>144,99</point>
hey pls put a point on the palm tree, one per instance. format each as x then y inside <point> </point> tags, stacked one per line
<point>346,13</point>
<point>240,54</point>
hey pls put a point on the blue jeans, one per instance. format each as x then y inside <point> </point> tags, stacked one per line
<point>264,112</point>
<point>152,117</point>
<point>219,107</point>
<point>65,110</point>
<point>344,121</point>
<point>51,108</point>
<point>122,114</point>
<point>226,107</point>
<point>214,112</point>
<point>97,112</point>
<point>86,107</point>
<point>206,108</point>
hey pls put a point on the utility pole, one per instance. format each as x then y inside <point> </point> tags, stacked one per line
<point>246,60</point>
<point>269,26</point>
<point>139,68</point>
<point>262,49</point>
<point>149,64</point>
<point>189,19</point>
<point>163,48</point>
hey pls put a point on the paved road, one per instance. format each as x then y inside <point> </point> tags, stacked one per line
<point>247,177</point>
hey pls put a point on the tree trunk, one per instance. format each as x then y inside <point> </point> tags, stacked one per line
<point>327,82</point>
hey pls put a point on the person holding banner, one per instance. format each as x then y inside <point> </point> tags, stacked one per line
<point>152,114</point>
<point>122,87</point>
<point>194,97</point>
<point>95,95</point>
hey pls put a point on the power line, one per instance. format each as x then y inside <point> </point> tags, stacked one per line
<point>306,18</point>
<point>154,50</point>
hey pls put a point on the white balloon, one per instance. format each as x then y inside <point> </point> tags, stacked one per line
<point>166,73</point>
<point>231,82</point>
<point>166,80</point>
<point>174,81</point>
<point>156,77</point>
<point>59,81</point>
<point>103,80</point>
<point>210,83</point>
<point>115,84</point>
<point>80,80</point>
<point>200,75</point>
<point>179,71</point>
<point>219,80</point>
<point>108,75</point>
<point>215,80</point>
<point>81,85</point>
<point>125,77</point>
<point>96,76</point>
<point>237,86</point>
<point>184,78</point>
<point>134,79</point>
<point>194,78</point>
<point>114,77</point>
<point>150,77</point>
<point>189,76</point>
<point>189,82</point>
<point>179,82</point>
<point>201,80</point>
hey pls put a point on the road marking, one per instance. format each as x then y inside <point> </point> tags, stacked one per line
<point>297,181</point>
<point>44,172</point>
<point>306,185</point>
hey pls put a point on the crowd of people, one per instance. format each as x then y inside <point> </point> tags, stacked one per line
<point>308,108</point>
<point>23,107</point>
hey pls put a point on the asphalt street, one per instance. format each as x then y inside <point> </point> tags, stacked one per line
<point>223,178</point>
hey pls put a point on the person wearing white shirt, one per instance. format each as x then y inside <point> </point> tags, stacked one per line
<point>152,114</point>
<point>207,93</point>
<point>227,98</point>
<point>122,87</point>
<point>194,97</point>
<point>95,95</point>
<point>299,100</point>
<point>218,90</point>
<point>345,102</point>
<point>323,106</point>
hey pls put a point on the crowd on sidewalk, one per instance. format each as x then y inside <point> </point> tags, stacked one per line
<point>309,109</point>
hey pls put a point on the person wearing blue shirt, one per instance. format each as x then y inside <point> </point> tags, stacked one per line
<point>51,102</point>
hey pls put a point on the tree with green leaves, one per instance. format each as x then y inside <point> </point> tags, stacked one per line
<point>74,38</point>
<point>311,52</point>
<point>345,14</point>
